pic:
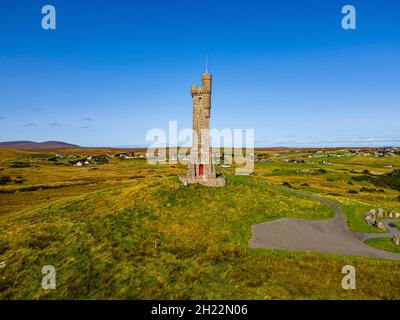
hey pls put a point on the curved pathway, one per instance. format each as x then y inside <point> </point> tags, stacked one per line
<point>392,231</point>
<point>324,236</point>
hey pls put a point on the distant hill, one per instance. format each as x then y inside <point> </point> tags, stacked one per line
<point>30,145</point>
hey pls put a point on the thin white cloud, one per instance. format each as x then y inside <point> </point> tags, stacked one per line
<point>31,124</point>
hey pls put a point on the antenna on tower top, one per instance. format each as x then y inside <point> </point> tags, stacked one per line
<point>206,63</point>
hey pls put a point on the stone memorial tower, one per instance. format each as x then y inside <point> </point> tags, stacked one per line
<point>201,168</point>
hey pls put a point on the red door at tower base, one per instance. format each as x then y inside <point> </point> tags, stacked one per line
<point>201,169</point>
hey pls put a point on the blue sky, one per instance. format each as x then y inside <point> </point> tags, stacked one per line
<point>112,70</point>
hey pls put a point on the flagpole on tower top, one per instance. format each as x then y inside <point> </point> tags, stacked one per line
<point>206,63</point>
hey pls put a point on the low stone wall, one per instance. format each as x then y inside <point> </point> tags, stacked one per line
<point>217,182</point>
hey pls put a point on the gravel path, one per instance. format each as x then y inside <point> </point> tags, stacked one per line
<point>324,236</point>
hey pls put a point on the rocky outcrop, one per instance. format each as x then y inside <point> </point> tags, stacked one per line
<point>394,214</point>
<point>381,213</point>
<point>370,217</point>
<point>373,211</point>
<point>396,239</point>
<point>379,225</point>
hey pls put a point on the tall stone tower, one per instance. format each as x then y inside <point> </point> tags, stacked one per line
<point>201,168</point>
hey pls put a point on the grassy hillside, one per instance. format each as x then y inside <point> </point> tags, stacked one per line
<point>129,230</point>
<point>384,244</point>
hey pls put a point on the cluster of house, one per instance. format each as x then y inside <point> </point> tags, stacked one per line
<point>338,153</point>
<point>305,161</point>
<point>387,152</point>
<point>127,155</point>
<point>95,160</point>
<point>227,159</point>
<point>218,158</point>
<point>81,163</point>
<point>380,152</point>
<point>62,156</point>
<point>171,157</point>
<point>91,160</point>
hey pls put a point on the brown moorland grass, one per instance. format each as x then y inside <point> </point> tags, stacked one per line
<point>134,232</point>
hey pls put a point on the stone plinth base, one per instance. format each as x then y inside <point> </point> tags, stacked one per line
<point>217,182</point>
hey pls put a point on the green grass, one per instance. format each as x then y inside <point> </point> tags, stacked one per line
<point>148,237</point>
<point>384,244</point>
<point>162,241</point>
<point>390,179</point>
<point>354,212</point>
<point>342,171</point>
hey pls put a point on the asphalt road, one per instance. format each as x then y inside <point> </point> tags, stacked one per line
<point>323,236</point>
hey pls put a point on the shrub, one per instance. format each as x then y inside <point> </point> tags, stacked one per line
<point>363,189</point>
<point>352,191</point>
<point>101,159</point>
<point>18,164</point>
<point>287,184</point>
<point>5,180</point>
<point>389,180</point>
<point>6,191</point>
<point>3,247</point>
